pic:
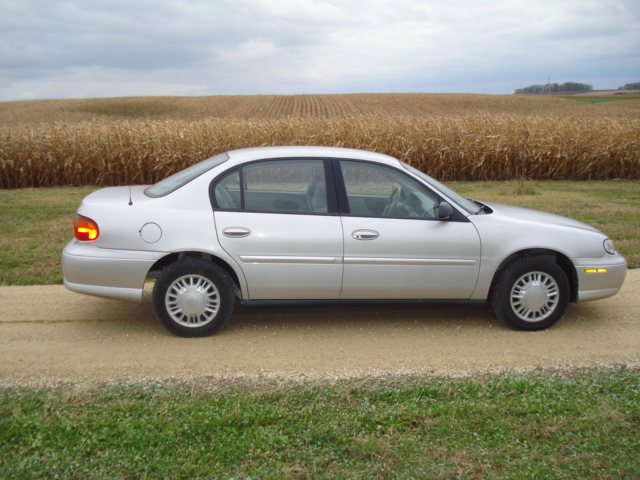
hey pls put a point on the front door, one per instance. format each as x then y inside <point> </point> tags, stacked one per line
<point>395,246</point>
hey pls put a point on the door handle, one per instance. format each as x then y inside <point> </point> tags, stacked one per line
<point>236,232</point>
<point>365,234</point>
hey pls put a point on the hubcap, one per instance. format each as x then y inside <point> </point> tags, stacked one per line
<point>535,296</point>
<point>192,301</point>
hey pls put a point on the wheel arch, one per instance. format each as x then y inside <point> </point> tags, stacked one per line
<point>171,258</point>
<point>557,257</point>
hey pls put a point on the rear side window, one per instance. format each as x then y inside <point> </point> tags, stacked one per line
<point>226,193</point>
<point>274,186</point>
<point>174,182</point>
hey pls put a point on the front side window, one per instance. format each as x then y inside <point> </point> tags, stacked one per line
<point>380,191</point>
<point>274,186</point>
<point>465,203</point>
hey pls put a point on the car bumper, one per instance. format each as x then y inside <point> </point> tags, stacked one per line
<point>115,274</point>
<point>598,280</point>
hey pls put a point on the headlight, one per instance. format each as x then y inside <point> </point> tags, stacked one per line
<point>608,247</point>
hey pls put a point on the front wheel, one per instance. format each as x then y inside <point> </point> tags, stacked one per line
<point>193,298</point>
<point>531,293</point>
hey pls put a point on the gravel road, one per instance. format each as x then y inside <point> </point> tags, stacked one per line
<point>50,335</point>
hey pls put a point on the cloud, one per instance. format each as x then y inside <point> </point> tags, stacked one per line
<point>78,48</point>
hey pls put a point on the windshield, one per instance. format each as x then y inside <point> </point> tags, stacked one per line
<point>465,203</point>
<point>174,182</point>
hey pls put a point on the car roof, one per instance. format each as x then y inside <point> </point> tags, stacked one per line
<point>258,153</point>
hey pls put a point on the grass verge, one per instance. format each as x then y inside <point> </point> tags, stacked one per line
<point>611,206</point>
<point>37,223</point>
<point>582,424</point>
<point>592,100</point>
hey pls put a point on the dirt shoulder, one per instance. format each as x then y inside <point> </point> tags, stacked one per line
<point>50,335</point>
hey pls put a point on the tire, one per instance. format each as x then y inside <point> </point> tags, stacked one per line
<point>531,293</point>
<point>193,298</point>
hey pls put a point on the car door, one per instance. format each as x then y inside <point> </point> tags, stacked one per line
<point>395,246</point>
<point>276,220</point>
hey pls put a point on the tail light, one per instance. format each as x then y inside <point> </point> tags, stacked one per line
<point>85,228</point>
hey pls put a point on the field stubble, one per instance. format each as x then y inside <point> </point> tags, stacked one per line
<point>451,137</point>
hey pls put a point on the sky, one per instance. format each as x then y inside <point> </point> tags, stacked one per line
<point>113,48</point>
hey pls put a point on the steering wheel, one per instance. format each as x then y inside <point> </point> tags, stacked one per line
<point>392,203</point>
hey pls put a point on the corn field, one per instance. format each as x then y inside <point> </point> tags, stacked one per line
<point>482,138</point>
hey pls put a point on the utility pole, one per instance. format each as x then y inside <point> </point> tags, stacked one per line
<point>549,85</point>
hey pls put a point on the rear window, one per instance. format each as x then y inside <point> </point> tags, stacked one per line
<point>174,182</point>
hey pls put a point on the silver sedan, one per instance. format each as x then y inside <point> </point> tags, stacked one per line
<point>320,223</point>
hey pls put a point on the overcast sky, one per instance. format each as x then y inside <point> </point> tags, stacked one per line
<point>104,48</point>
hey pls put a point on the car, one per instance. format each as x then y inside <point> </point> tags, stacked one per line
<point>275,224</point>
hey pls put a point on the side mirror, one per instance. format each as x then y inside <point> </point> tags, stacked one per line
<point>445,210</point>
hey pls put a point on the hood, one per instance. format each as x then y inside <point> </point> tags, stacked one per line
<point>526,215</point>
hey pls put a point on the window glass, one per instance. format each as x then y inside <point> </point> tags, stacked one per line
<point>227,191</point>
<point>174,182</point>
<point>289,186</point>
<point>379,191</point>
<point>465,203</point>
<point>278,186</point>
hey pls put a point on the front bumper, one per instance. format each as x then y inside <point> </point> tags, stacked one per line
<point>598,280</point>
<point>102,272</point>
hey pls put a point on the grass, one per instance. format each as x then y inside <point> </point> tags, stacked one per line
<point>592,100</point>
<point>582,424</point>
<point>36,224</point>
<point>613,207</point>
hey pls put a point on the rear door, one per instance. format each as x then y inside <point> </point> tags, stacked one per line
<point>277,220</point>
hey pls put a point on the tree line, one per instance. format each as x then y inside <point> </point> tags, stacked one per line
<point>630,86</point>
<point>556,87</point>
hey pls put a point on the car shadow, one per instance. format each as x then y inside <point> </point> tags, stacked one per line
<point>317,315</point>
<point>361,314</point>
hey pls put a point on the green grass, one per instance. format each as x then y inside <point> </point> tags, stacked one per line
<point>35,224</point>
<point>601,99</point>
<point>582,424</point>
<point>611,206</point>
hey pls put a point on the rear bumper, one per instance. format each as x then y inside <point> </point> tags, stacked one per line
<point>600,280</point>
<point>115,274</point>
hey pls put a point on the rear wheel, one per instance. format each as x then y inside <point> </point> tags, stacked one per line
<point>193,298</point>
<point>531,293</point>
